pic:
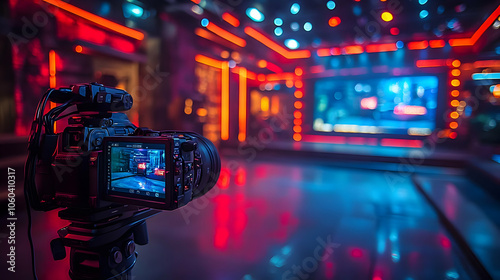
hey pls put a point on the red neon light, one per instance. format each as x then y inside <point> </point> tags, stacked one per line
<point>323,52</point>
<point>279,76</point>
<point>273,67</point>
<point>324,139</point>
<point>224,131</point>
<point>437,43</point>
<point>418,45</point>
<point>356,253</point>
<point>208,61</point>
<point>251,75</point>
<point>317,69</point>
<point>52,69</point>
<point>226,35</point>
<point>122,45</point>
<point>431,63</point>
<point>141,166</point>
<point>242,122</point>
<point>381,48</point>
<point>231,19</point>
<point>275,46</point>
<point>387,142</point>
<point>369,103</point>
<point>212,37</point>
<point>334,21</point>
<point>353,49</point>
<point>410,110</point>
<point>159,172</point>
<point>479,32</point>
<point>97,19</point>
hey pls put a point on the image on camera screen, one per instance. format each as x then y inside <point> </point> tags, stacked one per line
<point>137,169</point>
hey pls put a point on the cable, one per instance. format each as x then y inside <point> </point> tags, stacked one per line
<point>30,191</point>
<point>32,247</point>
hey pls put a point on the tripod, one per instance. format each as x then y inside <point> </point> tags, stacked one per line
<point>102,241</point>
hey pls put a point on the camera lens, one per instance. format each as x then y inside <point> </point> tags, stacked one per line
<point>210,165</point>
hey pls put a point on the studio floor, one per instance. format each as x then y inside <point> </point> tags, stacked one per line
<point>286,219</point>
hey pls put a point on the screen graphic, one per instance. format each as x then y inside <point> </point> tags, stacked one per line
<point>137,169</point>
<point>397,105</point>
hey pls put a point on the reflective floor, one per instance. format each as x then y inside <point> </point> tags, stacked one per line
<point>288,219</point>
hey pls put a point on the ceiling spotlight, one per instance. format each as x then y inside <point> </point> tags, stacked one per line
<point>278,31</point>
<point>334,21</point>
<point>330,5</point>
<point>255,14</point>
<point>278,21</point>
<point>204,22</point>
<point>132,10</point>
<point>423,14</point>
<point>295,8</point>
<point>422,2</point>
<point>294,26</point>
<point>291,44</point>
<point>308,26</point>
<point>386,16</point>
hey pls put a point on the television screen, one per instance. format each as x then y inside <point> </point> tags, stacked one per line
<point>137,169</point>
<point>396,105</point>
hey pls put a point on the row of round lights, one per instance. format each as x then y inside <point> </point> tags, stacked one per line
<point>298,105</point>
<point>456,104</point>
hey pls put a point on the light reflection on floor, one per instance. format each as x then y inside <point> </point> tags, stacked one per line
<point>291,220</point>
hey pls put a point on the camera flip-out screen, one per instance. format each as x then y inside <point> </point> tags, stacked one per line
<point>137,170</point>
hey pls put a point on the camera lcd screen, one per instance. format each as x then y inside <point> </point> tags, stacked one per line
<point>136,170</point>
<point>396,105</point>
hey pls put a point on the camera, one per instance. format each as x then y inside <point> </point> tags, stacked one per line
<point>109,175</point>
<point>102,159</point>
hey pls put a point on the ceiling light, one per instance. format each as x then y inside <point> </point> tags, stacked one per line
<point>308,26</point>
<point>291,44</point>
<point>255,14</point>
<point>424,13</point>
<point>386,16</point>
<point>278,31</point>
<point>330,5</point>
<point>295,8</point>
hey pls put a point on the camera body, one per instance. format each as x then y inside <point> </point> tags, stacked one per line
<point>101,159</point>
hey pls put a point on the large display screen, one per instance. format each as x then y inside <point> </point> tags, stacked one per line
<point>396,105</point>
<point>136,169</point>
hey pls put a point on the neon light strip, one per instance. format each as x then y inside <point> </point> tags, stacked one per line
<point>226,35</point>
<point>275,46</point>
<point>224,106</point>
<point>52,78</point>
<point>487,63</point>
<point>353,49</point>
<point>437,44</point>
<point>231,19</point>
<point>208,61</point>
<point>486,76</point>
<point>479,32</point>
<point>97,19</point>
<point>431,63</point>
<point>52,69</point>
<point>243,105</point>
<point>381,48</point>
<point>418,45</point>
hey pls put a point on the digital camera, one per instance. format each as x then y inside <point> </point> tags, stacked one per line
<point>101,158</point>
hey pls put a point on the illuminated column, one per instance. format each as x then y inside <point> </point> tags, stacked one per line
<point>224,126</point>
<point>242,134</point>
<point>298,104</point>
<point>457,105</point>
